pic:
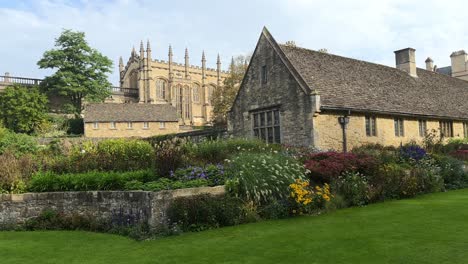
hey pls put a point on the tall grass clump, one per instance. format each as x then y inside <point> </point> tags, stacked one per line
<point>262,178</point>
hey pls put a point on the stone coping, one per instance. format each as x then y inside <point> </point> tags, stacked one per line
<point>216,190</point>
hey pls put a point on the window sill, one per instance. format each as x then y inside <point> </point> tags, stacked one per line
<point>112,128</point>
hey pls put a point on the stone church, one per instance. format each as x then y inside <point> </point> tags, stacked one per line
<point>297,96</point>
<point>187,87</point>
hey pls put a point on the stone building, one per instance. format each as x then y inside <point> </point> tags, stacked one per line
<point>458,67</point>
<point>298,96</point>
<point>129,120</point>
<point>186,87</point>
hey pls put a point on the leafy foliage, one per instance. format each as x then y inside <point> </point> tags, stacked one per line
<point>169,155</point>
<point>90,181</point>
<point>14,172</point>
<point>353,187</point>
<point>204,211</point>
<point>165,184</point>
<point>412,152</point>
<point>214,174</point>
<point>107,155</point>
<point>224,98</point>
<point>17,144</point>
<point>22,109</point>
<point>81,71</point>
<point>326,166</point>
<point>217,151</point>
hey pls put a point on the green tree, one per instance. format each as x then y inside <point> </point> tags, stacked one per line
<point>23,109</point>
<point>81,71</point>
<point>224,98</point>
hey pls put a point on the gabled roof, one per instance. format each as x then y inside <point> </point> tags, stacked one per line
<point>351,84</point>
<point>113,112</point>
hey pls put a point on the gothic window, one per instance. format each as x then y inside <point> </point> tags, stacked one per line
<point>210,93</point>
<point>264,74</point>
<point>161,89</point>
<point>180,102</point>
<point>266,126</point>
<point>196,93</point>
<point>134,79</point>
<point>187,98</point>
<point>371,130</point>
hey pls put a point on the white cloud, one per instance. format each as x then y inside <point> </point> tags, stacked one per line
<point>371,30</point>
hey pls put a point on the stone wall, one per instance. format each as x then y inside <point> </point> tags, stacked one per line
<point>281,91</point>
<point>328,132</point>
<point>117,207</point>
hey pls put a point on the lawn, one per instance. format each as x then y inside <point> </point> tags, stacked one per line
<point>428,229</point>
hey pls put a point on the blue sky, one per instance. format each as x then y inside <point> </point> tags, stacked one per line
<point>363,29</point>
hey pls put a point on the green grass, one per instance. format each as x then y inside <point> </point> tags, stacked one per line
<point>428,229</point>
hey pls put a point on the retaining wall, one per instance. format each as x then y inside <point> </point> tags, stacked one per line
<point>116,207</point>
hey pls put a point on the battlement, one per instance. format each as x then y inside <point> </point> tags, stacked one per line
<point>137,58</point>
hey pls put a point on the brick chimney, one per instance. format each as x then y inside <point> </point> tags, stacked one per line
<point>406,61</point>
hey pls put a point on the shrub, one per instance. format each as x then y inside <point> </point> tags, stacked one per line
<point>90,181</point>
<point>17,144</point>
<point>164,184</point>
<point>412,153</point>
<point>393,181</point>
<point>14,172</point>
<point>23,109</point>
<point>75,126</point>
<point>169,155</point>
<point>110,155</point>
<point>217,151</point>
<point>262,177</point>
<point>353,188</point>
<point>384,154</point>
<point>214,174</point>
<point>452,172</point>
<point>276,209</point>
<point>428,174</point>
<point>326,166</point>
<point>461,154</point>
<point>205,211</point>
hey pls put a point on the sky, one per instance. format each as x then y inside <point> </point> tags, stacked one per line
<point>363,29</point>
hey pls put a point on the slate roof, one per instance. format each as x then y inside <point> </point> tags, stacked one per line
<point>345,83</point>
<point>445,70</point>
<point>113,112</point>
